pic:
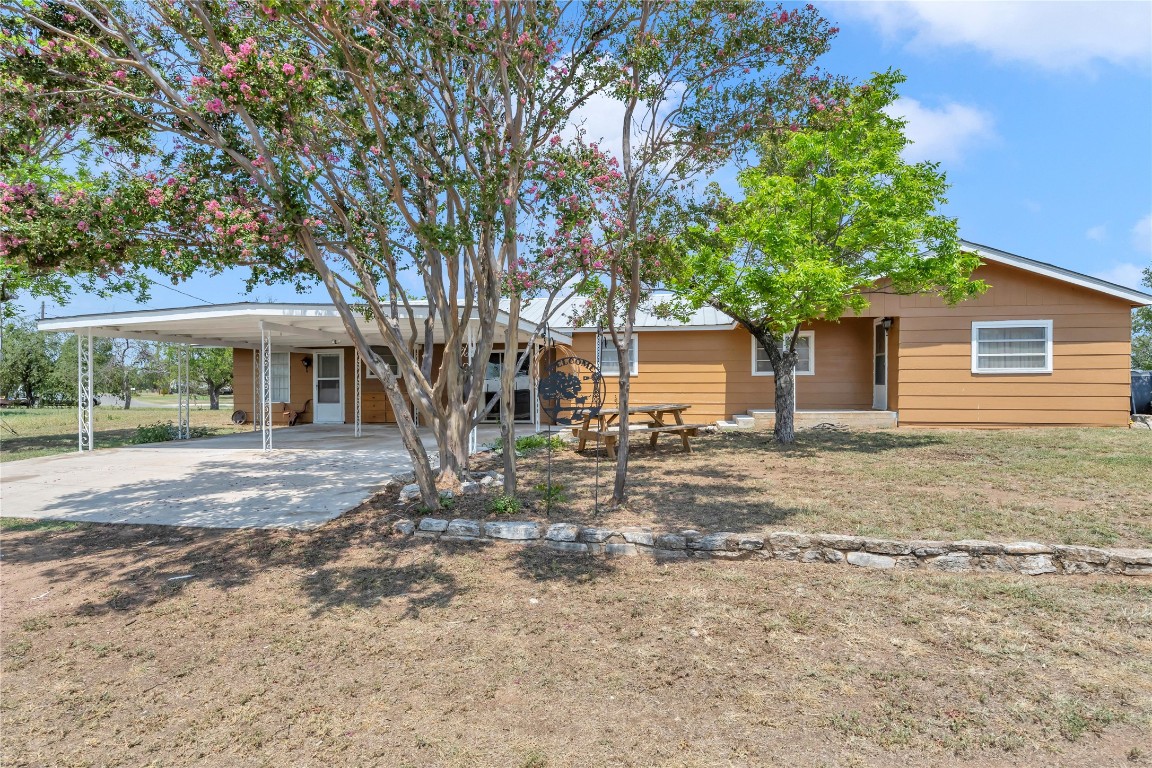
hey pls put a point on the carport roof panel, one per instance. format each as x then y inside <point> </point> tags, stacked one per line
<point>233,325</point>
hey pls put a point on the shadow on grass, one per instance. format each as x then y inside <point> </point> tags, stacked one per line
<point>421,584</point>
<point>812,442</point>
<point>542,564</point>
<point>140,565</point>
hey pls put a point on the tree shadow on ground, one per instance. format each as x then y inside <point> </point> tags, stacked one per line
<point>139,565</point>
<point>422,584</point>
<point>541,564</point>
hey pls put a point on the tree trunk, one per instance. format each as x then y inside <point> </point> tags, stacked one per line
<point>623,442</point>
<point>785,374</point>
<point>213,397</point>
<point>508,395</point>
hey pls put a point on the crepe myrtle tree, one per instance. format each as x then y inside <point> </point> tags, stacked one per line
<point>829,213</point>
<point>695,83</point>
<point>360,145</point>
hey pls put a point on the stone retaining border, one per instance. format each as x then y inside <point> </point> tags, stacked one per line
<point>1024,557</point>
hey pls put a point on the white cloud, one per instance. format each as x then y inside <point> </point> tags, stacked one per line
<point>1099,233</point>
<point>943,134</point>
<point>1123,273</point>
<point>1142,234</point>
<point>1049,35</point>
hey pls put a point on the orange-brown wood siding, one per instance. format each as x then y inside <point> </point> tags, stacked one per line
<point>299,386</point>
<point>1091,334</point>
<point>712,370</point>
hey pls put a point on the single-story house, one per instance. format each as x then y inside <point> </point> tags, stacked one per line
<point>1043,346</point>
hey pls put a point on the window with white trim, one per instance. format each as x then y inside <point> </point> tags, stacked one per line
<point>281,377</point>
<point>389,359</point>
<point>1012,346</point>
<point>805,356</point>
<point>608,361</point>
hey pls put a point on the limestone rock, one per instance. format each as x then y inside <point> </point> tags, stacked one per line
<point>929,548</point>
<point>713,542</point>
<point>671,541</point>
<point>469,488</point>
<point>620,549</point>
<point>886,547</point>
<point>1034,565</point>
<point>512,530</point>
<point>1132,556</point>
<point>669,554</point>
<point>783,540</point>
<point>571,547</point>
<point>869,560</point>
<point>1082,555</point>
<point>953,561</point>
<point>404,527</point>
<point>837,541</point>
<point>978,547</point>
<point>1027,548</point>
<point>563,532</point>
<point>636,535</point>
<point>433,525</point>
<point>463,528</point>
<point>596,535</point>
<point>410,492</point>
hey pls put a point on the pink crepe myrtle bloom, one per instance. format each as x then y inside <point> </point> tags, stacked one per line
<point>288,69</point>
<point>82,226</point>
<point>228,70</point>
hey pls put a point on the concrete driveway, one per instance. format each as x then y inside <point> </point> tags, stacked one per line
<point>313,474</point>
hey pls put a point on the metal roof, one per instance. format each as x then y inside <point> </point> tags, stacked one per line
<point>292,325</point>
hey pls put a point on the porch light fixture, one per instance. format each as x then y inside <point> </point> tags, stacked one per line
<point>886,324</point>
<point>307,362</point>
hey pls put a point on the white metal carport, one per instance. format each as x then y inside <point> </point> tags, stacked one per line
<point>263,328</point>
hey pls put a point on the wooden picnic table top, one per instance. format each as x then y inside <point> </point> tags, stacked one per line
<point>646,409</point>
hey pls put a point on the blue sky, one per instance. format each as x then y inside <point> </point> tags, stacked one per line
<point>1040,113</point>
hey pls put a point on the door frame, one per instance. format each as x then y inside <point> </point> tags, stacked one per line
<point>533,405</point>
<point>880,391</point>
<point>315,379</point>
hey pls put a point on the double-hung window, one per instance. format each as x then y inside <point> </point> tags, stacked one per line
<point>1012,346</point>
<point>805,356</point>
<point>281,377</point>
<point>608,361</point>
<point>389,358</point>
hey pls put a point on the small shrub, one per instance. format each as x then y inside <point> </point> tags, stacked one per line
<point>504,504</point>
<point>159,432</point>
<point>552,494</point>
<point>530,443</point>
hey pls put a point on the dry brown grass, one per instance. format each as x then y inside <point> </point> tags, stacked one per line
<point>1070,486</point>
<point>347,647</point>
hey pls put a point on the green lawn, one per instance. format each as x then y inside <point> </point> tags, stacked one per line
<point>29,432</point>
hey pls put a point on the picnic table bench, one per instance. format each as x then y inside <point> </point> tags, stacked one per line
<point>667,418</point>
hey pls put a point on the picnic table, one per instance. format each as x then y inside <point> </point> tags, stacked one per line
<point>666,417</point>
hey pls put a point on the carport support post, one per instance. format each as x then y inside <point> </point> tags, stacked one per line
<point>265,388</point>
<point>358,376</point>
<point>84,391</point>
<point>183,394</point>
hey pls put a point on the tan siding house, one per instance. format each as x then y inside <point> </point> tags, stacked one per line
<point>1043,346</point>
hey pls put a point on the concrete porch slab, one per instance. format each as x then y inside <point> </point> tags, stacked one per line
<point>314,474</point>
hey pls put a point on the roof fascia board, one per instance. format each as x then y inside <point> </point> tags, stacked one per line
<point>1058,273</point>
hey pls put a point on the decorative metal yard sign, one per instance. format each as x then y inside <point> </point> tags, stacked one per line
<point>571,392</point>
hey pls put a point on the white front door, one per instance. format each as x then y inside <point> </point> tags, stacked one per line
<point>328,387</point>
<point>880,367</point>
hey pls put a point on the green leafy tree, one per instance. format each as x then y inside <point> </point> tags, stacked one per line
<point>827,213</point>
<point>210,367</point>
<point>1142,332</point>
<point>27,358</point>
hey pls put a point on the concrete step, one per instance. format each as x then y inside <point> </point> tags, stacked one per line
<point>744,422</point>
<point>725,426</point>
<point>766,419</point>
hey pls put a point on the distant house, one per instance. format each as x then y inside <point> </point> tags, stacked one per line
<point>1043,346</point>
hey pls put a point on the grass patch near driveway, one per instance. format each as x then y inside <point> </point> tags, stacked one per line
<point>29,432</point>
<point>1057,486</point>
<point>129,645</point>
